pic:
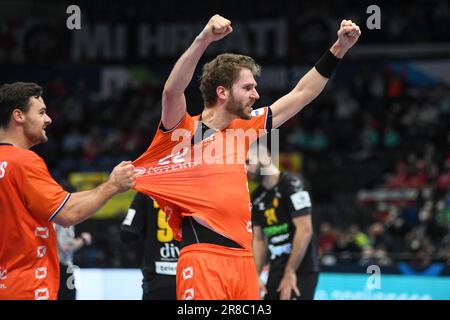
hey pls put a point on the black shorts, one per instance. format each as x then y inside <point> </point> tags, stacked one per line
<point>157,287</point>
<point>306,282</point>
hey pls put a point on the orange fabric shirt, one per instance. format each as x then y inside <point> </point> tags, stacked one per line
<point>206,180</point>
<point>29,199</point>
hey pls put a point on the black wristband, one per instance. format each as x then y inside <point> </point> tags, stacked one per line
<point>327,64</point>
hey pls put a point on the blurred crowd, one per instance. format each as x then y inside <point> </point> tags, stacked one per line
<point>374,131</point>
<point>384,135</point>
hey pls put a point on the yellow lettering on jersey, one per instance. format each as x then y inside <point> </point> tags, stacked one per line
<point>164,233</point>
<point>271,216</point>
<point>275,202</point>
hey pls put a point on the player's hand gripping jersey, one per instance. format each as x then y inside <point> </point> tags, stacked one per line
<point>190,172</point>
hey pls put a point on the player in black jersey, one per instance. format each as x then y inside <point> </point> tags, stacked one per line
<point>146,222</point>
<point>282,227</point>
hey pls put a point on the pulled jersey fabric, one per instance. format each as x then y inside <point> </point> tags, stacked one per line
<point>29,200</point>
<point>203,176</point>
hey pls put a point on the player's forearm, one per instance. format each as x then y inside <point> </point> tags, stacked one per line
<point>338,50</point>
<point>312,84</point>
<point>309,87</point>
<point>81,205</point>
<point>183,71</point>
<point>259,254</point>
<point>299,246</point>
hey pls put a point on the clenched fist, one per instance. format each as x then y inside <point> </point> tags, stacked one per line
<point>122,177</point>
<point>216,28</point>
<point>349,33</point>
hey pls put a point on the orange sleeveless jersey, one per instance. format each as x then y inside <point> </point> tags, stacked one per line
<point>207,179</point>
<point>29,199</point>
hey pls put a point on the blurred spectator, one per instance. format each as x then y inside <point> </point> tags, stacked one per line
<point>391,138</point>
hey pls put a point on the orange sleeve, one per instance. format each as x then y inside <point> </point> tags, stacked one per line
<point>43,196</point>
<point>165,140</point>
<point>185,124</point>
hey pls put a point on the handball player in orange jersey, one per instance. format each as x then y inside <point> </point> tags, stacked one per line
<point>206,197</point>
<point>31,200</point>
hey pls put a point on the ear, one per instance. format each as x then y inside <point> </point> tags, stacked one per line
<point>222,92</point>
<point>18,116</point>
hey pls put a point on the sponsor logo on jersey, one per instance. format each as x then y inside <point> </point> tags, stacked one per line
<point>40,273</point>
<point>189,294</point>
<point>280,238</point>
<point>276,230</point>
<point>139,171</point>
<point>301,200</point>
<point>249,226</point>
<point>3,273</point>
<point>41,232</point>
<point>41,251</point>
<point>258,112</point>
<point>166,268</point>
<point>188,273</point>
<point>41,294</point>
<point>276,251</point>
<point>271,216</point>
<point>169,251</point>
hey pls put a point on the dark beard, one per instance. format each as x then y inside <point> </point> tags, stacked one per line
<point>234,108</point>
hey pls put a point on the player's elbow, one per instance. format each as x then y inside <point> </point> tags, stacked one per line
<point>63,221</point>
<point>305,230</point>
<point>308,232</point>
<point>65,218</point>
<point>170,90</point>
<point>305,95</point>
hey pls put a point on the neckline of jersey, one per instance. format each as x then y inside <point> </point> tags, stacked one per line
<point>208,128</point>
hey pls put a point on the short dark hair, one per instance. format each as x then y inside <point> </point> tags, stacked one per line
<point>223,71</point>
<point>16,96</point>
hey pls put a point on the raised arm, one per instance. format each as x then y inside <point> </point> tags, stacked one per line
<point>313,82</point>
<point>173,100</point>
